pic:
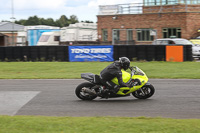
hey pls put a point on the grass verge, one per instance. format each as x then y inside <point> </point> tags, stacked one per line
<point>65,70</point>
<point>72,70</point>
<point>41,124</point>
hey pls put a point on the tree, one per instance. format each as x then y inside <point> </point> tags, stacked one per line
<point>50,22</point>
<point>32,21</point>
<point>63,21</point>
<point>73,19</point>
<point>42,21</point>
<point>21,21</point>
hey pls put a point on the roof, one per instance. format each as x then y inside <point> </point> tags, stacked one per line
<point>2,34</point>
<point>9,26</point>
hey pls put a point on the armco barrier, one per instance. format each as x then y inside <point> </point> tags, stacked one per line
<point>60,53</point>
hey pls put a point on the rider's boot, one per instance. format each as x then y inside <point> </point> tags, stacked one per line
<point>106,93</point>
<point>115,89</point>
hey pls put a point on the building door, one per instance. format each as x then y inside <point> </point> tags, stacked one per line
<point>2,41</point>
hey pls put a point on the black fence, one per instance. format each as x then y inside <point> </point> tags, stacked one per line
<point>148,52</point>
<point>60,53</point>
<point>34,53</point>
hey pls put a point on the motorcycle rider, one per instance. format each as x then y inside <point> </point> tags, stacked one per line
<point>114,70</point>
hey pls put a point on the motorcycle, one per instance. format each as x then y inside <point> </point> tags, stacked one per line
<point>142,89</point>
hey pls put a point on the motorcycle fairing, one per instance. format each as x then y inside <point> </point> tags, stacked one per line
<point>126,78</point>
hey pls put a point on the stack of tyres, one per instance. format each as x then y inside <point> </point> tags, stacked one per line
<point>122,50</point>
<point>115,52</point>
<point>150,52</point>
<point>2,53</point>
<point>17,53</point>
<point>160,51</point>
<point>141,52</point>
<point>9,53</point>
<point>131,52</point>
<point>51,53</point>
<point>42,51</point>
<point>67,53</point>
<point>187,53</point>
<point>62,53</point>
<point>34,53</point>
<point>26,53</point>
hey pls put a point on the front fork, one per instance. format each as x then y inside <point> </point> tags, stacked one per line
<point>148,83</point>
<point>142,91</point>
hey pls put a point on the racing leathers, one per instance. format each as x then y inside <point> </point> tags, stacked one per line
<point>111,71</point>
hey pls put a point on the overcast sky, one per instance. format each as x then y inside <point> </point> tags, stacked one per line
<point>83,9</point>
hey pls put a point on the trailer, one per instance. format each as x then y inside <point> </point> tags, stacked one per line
<point>79,32</point>
<point>49,38</point>
<point>75,33</point>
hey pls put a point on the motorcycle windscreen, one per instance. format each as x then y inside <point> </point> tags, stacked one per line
<point>125,76</point>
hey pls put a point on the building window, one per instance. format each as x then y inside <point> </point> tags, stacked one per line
<point>44,38</point>
<point>104,35</point>
<point>189,1</point>
<point>164,2</point>
<point>169,2</point>
<point>116,34</point>
<point>144,35</point>
<point>171,32</point>
<point>56,38</point>
<point>129,34</point>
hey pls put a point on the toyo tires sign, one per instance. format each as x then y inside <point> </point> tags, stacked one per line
<point>90,53</point>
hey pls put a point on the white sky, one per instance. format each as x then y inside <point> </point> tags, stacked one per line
<point>83,9</point>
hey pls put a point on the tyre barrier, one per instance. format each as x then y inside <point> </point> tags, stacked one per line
<point>34,53</point>
<point>150,52</point>
<point>60,53</point>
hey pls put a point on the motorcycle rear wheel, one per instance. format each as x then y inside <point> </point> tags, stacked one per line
<point>82,95</point>
<point>148,91</point>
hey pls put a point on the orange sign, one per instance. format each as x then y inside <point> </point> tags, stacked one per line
<point>174,53</point>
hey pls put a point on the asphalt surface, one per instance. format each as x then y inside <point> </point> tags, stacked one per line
<point>173,99</point>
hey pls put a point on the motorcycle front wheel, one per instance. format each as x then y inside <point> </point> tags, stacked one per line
<point>81,94</point>
<point>145,92</point>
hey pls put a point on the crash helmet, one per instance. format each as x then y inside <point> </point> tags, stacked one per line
<point>124,62</point>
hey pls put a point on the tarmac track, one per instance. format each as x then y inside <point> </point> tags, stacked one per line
<point>174,98</point>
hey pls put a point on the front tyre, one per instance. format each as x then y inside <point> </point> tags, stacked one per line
<point>81,94</point>
<point>145,92</point>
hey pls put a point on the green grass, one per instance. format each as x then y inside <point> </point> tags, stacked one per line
<point>41,124</point>
<point>67,70</point>
<point>64,70</point>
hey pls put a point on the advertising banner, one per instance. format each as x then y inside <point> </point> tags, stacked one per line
<point>90,53</point>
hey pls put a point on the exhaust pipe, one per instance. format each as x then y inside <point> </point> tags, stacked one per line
<point>89,91</point>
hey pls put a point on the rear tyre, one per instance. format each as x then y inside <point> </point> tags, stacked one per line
<point>145,92</point>
<point>82,95</point>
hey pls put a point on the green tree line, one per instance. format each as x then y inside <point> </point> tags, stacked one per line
<point>63,21</point>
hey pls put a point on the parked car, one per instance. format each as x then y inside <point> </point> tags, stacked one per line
<point>179,41</point>
<point>195,40</point>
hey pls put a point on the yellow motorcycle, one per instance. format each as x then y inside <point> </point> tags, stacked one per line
<point>141,89</point>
